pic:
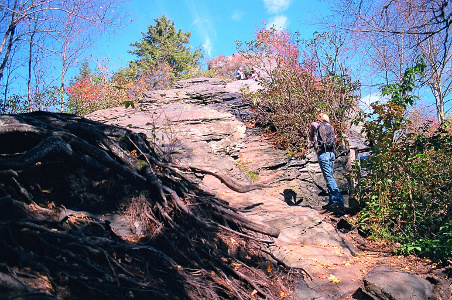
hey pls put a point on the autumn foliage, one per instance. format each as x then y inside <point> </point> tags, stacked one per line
<point>406,195</point>
<point>96,90</point>
<point>87,94</point>
<point>227,66</point>
<point>162,57</point>
<point>294,90</point>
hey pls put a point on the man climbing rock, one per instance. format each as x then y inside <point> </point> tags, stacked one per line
<point>324,141</point>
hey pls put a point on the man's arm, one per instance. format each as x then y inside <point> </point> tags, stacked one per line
<point>314,126</point>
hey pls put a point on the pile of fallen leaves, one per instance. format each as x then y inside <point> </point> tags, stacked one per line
<point>91,211</point>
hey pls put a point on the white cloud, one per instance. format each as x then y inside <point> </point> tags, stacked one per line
<point>204,26</point>
<point>207,45</point>
<point>207,31</point>
<point>276,6</point>
<point>278,22</point>
<point>365,102</point>
<point>238,15</point>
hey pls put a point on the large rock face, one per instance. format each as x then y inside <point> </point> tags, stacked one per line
<point>391,284</point>
<point>203,123</point>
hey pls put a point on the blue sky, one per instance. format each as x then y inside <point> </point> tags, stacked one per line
<point>215,25</point>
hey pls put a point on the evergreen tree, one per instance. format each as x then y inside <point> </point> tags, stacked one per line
<point>161,45</point>
<point>84,72</point>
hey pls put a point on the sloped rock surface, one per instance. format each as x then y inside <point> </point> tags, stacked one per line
<point>203,123</point>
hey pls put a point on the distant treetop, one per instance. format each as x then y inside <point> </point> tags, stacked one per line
<point>163,44</point>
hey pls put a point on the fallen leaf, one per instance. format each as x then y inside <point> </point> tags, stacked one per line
<point>333,279</point>
<point>179,268</point>
<point>269,268</point>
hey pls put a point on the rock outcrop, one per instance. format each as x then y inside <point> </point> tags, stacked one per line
<point>389,283</point>
<point>202,123</point>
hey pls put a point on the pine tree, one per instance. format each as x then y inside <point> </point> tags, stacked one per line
<point>164,44</point>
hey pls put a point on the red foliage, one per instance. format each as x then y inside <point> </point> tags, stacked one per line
<point>294,90</point>
<point>279,43</point>
<point>84,90</point>
<point>226,66</point>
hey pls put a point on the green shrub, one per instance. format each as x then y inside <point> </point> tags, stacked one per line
<point>407,194</point>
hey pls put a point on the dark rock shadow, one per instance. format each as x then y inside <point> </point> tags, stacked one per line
<point>290,197</point>
<point>360,295</point>
<point>323,193</point>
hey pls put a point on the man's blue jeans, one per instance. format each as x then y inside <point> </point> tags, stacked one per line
<point>326,161</point>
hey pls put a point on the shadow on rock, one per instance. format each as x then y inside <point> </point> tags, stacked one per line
<point>290,197</point>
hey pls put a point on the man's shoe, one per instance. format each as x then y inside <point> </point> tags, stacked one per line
<point>327,206</point>
<point>336,207</point>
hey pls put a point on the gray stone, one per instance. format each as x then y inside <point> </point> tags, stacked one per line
<point>302,291</point>
<point>193,91</point>
<point>392,284</point>
<point>202,122</point>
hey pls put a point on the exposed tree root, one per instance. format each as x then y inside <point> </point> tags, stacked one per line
<point>90,211</point>
<point>226,180</point>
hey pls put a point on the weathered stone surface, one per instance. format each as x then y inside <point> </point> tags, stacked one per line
<point>193,125</point>
<point>200,80</point>
<point>213,135</point>
<point>303,291</point>
<point>195,91</point>
<point>391,284</point>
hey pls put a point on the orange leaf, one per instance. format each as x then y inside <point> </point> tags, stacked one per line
<point>333,279</point>
<point>269,268</point>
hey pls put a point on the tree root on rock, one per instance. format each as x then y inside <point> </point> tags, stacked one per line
<point>89,210</point>
<point>236,187</point>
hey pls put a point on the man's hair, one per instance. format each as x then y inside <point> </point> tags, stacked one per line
<point>323,117</point>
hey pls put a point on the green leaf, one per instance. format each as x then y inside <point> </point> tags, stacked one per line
<point>129,104</point>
